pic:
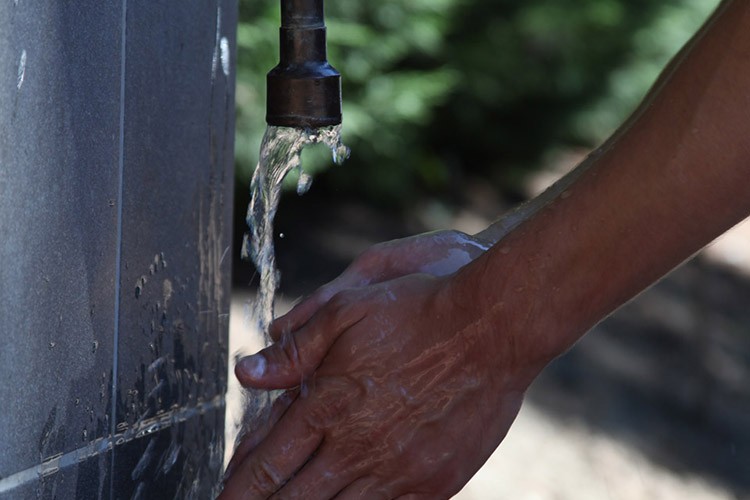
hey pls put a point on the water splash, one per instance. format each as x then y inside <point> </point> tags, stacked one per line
<point>280,153</point>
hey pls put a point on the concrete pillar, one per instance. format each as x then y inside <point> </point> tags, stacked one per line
<point>116,167</point>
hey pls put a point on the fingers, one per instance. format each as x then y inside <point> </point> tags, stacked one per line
<point>276,459</point>
<point>287,362</point>
<point>254,436</point>
<point>302,312</point>
<point>367,487</point>
<point>372,488</point>
<point>325,474</point>
<point>370,267</point>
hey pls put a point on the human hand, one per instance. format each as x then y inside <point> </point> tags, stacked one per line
<point>437,253</point>
<point>406,394</point>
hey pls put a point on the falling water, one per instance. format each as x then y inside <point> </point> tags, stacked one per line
<point>279,154</point>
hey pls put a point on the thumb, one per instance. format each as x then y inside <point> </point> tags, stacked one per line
<point>287,362</point>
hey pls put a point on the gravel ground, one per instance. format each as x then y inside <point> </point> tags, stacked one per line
<point>546,459</point>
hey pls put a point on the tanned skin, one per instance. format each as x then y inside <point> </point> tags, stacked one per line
<point>416,359</point>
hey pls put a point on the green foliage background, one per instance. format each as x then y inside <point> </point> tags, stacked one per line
<point>436,90</point>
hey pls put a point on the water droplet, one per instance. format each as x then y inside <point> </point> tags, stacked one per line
<point>84,435</point>
<point>341,153</point>
<point>94,346</point>
<point>304,184</point>
<point>172,455</point>
<point>155,365</point>
<point>111,203</point>
<point>282,236</point>
<point>21,70</point>
<point>77,401</point>
<point>52,345</point>
<point>224,46</point>
<point>139,286</point>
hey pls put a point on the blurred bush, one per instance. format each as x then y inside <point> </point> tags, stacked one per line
<point>439,89</point>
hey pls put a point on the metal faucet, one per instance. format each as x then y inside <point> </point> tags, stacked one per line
<point>303,90</point>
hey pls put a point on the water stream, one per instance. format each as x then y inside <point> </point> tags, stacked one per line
<point>280,153</point>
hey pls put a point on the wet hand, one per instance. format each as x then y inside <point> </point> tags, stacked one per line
<point>405,395</point>
<point>437,253</point>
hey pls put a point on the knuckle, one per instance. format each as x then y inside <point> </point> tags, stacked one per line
<point>339,302</point>
<point>369,255</point>
<point>296,362</point>
<point>265,477</point>
<point>348,306</point>
<point>282,326</point>
<point>290,352</point>
<point>337,308</point>
<point>323,294</point>
<point>370,259</point>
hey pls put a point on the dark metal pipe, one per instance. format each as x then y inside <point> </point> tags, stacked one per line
<point>303,90</point>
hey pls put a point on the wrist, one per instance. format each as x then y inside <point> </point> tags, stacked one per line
<point>534,289</point>
<point>507,320</point>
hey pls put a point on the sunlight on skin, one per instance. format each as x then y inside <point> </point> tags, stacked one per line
<point>413,410</point>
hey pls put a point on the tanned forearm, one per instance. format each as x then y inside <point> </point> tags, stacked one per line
<point>515,217</point>
<point>674,178</point>
<point>414,381</point>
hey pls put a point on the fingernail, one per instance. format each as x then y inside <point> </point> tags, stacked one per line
<point>253,366</point>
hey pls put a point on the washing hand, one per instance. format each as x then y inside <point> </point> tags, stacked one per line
<point>438,253</point>
<point>403,388</point>
<point>393,372</point>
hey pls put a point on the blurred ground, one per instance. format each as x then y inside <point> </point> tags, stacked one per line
<point>652,404</point>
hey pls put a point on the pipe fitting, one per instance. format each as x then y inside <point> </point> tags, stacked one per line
<point>303,90</point>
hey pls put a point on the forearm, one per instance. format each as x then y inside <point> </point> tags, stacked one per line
<point>518,215</point>
<point>673,179</point>
<point>523,212</point>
